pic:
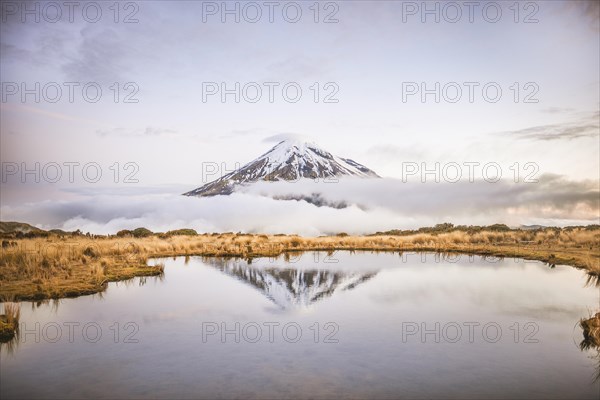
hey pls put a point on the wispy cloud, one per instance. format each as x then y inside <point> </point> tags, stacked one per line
<point>585,127</point>
<point>558,110</point>
<point>286,136</point>
<point>50,114</point>
<point>138,132</point>
<point>100,56</point>
<point>587,8</point>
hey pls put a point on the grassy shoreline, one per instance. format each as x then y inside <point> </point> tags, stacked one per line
<point>58,266</point>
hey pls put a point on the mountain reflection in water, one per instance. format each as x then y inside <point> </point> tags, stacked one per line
<point>291,288</point>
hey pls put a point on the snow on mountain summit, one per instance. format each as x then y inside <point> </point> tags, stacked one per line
<point>289,160</point>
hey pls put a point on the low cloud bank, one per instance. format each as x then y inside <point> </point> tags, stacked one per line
<point>369,205</point>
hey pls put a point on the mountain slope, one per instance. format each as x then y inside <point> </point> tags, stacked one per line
<point>289,160</point>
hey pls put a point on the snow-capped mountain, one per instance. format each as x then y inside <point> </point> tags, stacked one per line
<point>289,160</point>
<point>292,288</point>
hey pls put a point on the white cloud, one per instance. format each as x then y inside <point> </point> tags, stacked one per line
<point>373,205</point>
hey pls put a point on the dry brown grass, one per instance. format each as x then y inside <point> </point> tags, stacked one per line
<point>56,267</point>
<point>9,321</point>
<point>591,332</point>
<point>12,312</point>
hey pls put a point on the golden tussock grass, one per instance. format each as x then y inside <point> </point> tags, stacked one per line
<point>9,321</point>
<point>54,267</point>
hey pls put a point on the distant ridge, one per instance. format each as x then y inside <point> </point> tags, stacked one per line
<point>14,227</point>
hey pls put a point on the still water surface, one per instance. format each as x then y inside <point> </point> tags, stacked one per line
<point>344,325</point>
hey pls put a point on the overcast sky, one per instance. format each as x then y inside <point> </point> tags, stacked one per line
<point>365,57</point>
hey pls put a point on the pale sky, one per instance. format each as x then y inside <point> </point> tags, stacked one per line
<point>372,50</point>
